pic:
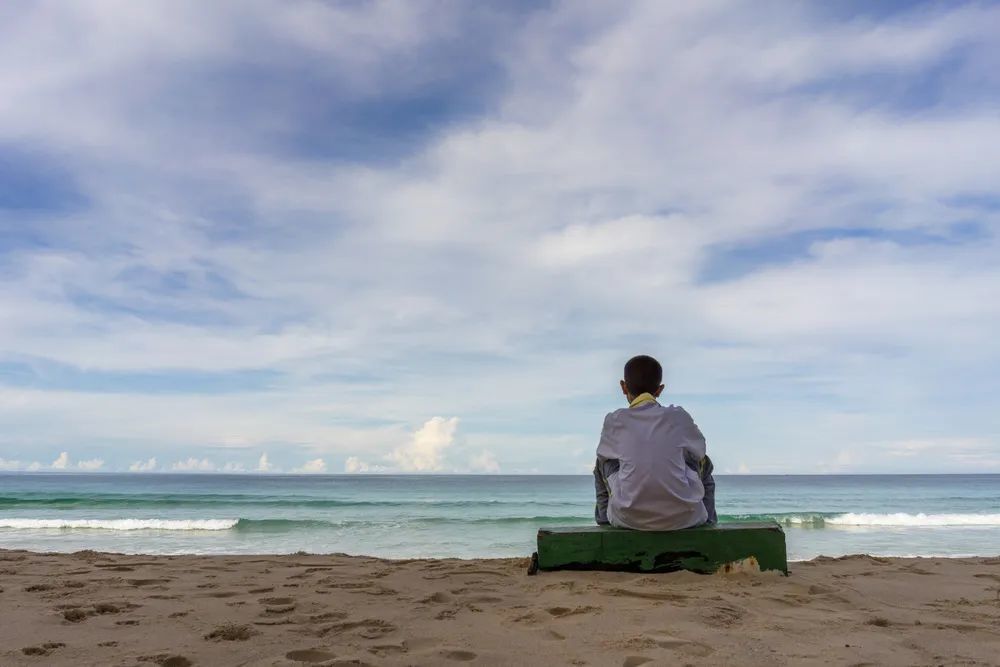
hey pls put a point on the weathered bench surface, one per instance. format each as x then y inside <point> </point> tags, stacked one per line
<point>705,549</point>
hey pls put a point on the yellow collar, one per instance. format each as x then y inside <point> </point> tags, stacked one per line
<point>642,399</point>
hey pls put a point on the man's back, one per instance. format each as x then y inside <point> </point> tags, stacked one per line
<point>657,485</point>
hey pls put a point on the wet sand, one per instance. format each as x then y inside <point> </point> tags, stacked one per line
<point>107,609</point>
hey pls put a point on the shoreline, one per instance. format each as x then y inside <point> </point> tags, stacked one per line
<point>410,559</point>
<point>94,608</point>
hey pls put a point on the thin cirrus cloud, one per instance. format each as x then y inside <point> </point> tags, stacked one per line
<point>208,253</point>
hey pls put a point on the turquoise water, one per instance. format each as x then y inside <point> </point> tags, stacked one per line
<point>469,516</point>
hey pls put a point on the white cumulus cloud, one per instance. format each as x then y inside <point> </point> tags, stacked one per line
<point>313,467</point>
<point>61,462</point>
<point>425,452</point>
<point>194,465</point>
<point>484,462</point>
<point>263,465</point>
<point>148,465</point>
<point>91,464</point>
<point>7,464</point>
<point>353,464</point>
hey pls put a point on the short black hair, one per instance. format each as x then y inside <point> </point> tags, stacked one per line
<point>643,374</point>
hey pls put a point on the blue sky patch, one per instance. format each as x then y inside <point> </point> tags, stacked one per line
<point>52,376</point>
<point>731,262</point>
<point>32,182</point>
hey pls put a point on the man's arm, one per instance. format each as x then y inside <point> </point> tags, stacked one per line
<point>708,481</point>
<point>692,441</point>
<point>601,488</point>
<point>607,448</point>
<point>696,457</point>
<point>602,468</point>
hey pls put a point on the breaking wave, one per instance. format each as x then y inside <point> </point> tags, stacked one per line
<point>901,519</point>
<point>807,520</point>
<point>119,524</point>
<point>897,519</point>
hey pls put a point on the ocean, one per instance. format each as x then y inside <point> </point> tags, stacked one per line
<point>470,516</point>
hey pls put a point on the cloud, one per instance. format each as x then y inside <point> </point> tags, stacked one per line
<point>61,462</point>
<point>6,464</point>
<point>425,451</point>
<point>263,465</point>
<point>353,465</point>
<point>231,466</point>
<point>786,206</point>
<point>976,453</point>
<point>34,466</point>
<point>194,465</point>
<point>484,462</point>
<point>91,464</point>
<point>148,465</point>
<point>315,466</point>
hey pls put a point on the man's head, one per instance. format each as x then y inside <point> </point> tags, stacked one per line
<point>643,374</point>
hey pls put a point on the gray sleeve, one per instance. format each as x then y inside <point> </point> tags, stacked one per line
<point>692,440</point>
<point>606,454</point>
<point>601,507</point>
<point>607,448</point>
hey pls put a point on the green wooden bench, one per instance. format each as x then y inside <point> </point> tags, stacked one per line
<point>706,549</point>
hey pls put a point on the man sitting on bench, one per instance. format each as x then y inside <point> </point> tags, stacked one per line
<point>652,472</point>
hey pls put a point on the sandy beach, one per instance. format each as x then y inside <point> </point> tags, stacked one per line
<point>105,609</point>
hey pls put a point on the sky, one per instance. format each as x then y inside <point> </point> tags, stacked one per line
<point>303,236</point>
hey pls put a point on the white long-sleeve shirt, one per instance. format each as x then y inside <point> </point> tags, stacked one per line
<point>654,488</point>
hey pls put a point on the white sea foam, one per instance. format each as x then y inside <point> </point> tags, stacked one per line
<point>804,559</point>
<point>902,519</point>
<point>120,524</point>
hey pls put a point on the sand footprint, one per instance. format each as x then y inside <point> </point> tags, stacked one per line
<point>44,649</point>
<point>390,649</point>
<point>231,632</point>
<point>76,615</point>
<point>635,660</point>
<point>147,582</point>
<point>459,655</point>
<point>647,595</point>
<point>419,644</point>
<point>166,660</point>
<point>562,612</point>
<point>38,588</point>
<point>484,599</point>
<point>310,655</point>
<point>328,616</point>
<point>369,628</point>
<point>677,643</point>
<point>725,615</point>
<point>278,605</point>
